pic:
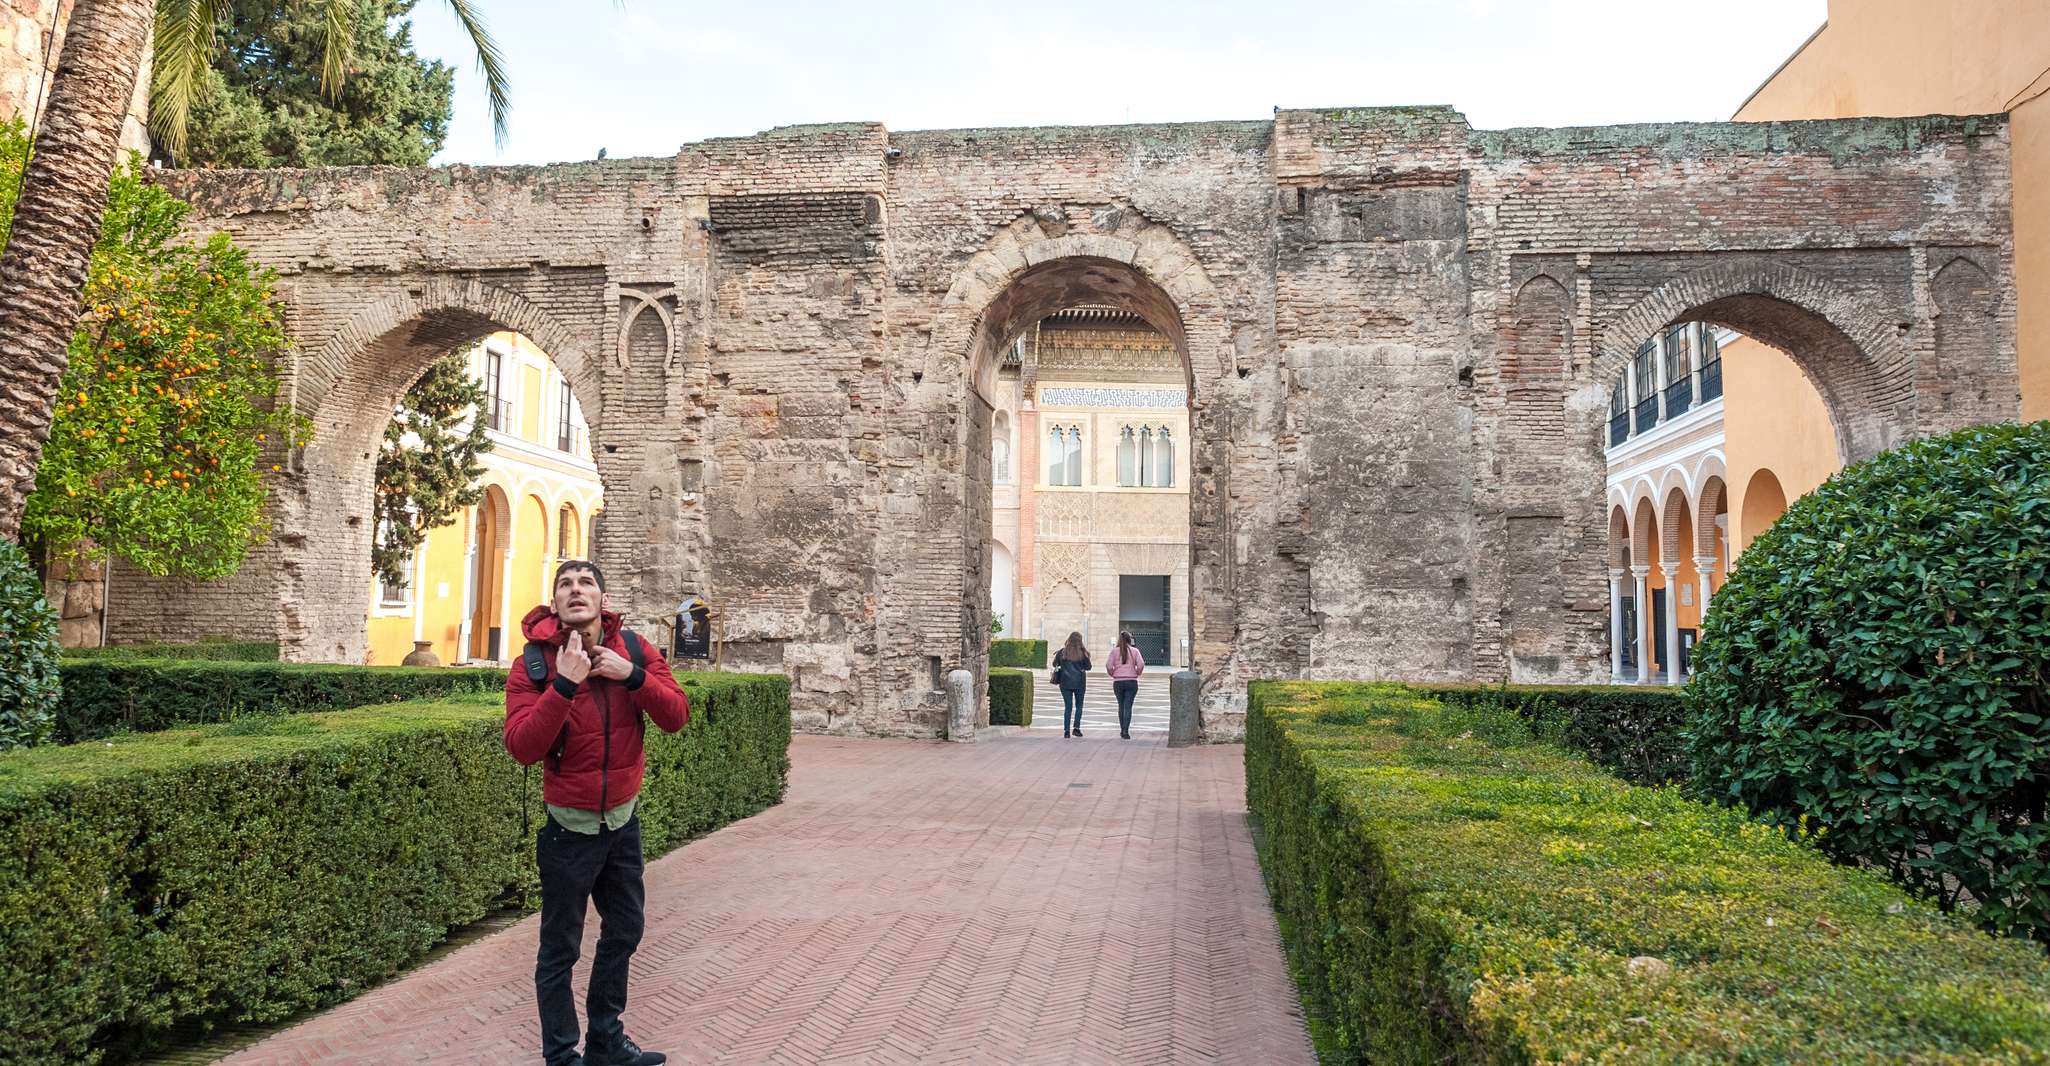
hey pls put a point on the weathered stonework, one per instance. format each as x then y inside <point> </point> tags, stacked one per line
<point>1399,333</point>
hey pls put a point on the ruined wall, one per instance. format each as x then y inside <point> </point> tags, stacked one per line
<point>1398,334</point>
<point>31,36</point>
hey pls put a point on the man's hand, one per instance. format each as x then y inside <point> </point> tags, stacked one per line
<point>574,664</point>
<point>608,663</point>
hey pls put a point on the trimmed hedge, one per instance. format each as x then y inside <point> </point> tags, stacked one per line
<point>1452,890</point>
<point>245,871</point>
<point>1879,667</point>
<point>1025,654</point>
<point>205,650</point>
<point>1636,732</point>
<point>107,696</point>
<point>1010,697</point>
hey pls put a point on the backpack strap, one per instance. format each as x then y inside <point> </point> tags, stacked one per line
<point>636,649</point>
<point>536,664</point>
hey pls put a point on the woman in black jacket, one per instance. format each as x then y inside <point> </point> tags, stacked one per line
<point>1071,673</point>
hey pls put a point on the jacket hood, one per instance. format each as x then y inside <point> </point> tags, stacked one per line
<point>542,625</point>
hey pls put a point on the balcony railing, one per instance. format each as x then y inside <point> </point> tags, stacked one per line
<point>498,413</point>
<point>1679,397</point>
<point>1647,413</point>
<point>1619,428</point>
<point>1711,380</point>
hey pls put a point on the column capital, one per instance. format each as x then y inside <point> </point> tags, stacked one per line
<point>1641,571</point>
<point>1670,569</point>
<point>1704,563</point>
<point>1617,573</point>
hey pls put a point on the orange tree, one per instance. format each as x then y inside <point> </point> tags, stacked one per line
<point>165,414</point>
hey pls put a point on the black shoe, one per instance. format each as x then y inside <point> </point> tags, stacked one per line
<point>626,1054</point>
<point>1124,734</point>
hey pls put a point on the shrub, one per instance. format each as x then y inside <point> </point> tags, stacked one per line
<point>1010,697</point>
<point>1024,654</point>
<point>206,649</point>
<point>1880,666</point>
<point>28,645</point>
<point>1452,890</point>
<point>245,871</point>
<point>103,696</point>
<point>1633,731</point>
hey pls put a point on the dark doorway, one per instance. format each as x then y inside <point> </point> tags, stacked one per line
<point>1143,612</point>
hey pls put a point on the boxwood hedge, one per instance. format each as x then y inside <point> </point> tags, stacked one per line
<point>1634,731</point>
<point>1879,665</point>
<point>1010,697</point>
<point>104,696</point>
<point>1025,654</point>
<point>213,649</point>
<point>248,870</point>
<point>1451,890</point>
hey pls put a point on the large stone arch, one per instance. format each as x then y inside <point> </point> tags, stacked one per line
<point>1023,274</point>
<point>347,387</point>
<point>1850,350</point>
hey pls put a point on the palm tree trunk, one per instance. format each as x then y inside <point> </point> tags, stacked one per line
<point>56,222</point>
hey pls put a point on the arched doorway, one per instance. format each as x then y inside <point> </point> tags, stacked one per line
<point>999,299</point>
<point>1764,502</point>
<point>487,623</point>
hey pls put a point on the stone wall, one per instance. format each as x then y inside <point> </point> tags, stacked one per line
<point>31,36</point>
<point>1399,334</point>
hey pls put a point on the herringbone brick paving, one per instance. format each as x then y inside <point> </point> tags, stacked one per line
<point>1030,899</point>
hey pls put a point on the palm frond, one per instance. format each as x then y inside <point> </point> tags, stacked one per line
<point>339,48</point>
<point>490,62</point>
<point>183,45</point>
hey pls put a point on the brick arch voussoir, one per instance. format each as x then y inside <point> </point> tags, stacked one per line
<point>341,352</point>
<point>1855,404</point>
<point>1149,249</point>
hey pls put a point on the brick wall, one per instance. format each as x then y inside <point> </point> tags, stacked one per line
<point>1398,333</point>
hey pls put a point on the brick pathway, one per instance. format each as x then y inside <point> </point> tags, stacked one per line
<point>1028,899</point>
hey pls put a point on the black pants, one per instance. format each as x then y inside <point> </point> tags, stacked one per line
<point>1125,689</point>
<point>605,869</point>
<point>1071,708</point>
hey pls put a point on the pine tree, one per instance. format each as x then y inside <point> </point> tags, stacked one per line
<point>427,467</point>
<point>262,103</point>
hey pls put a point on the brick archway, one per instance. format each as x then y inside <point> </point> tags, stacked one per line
<point>1024,274</point>
<point>348,387</point>
<point>1847,348</point>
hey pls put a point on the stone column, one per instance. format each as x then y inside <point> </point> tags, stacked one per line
<point>1705,566</point>
<point>1643,576</point>
<point>1672,572</point>
<point>1616,624</point>
<point>1184,713</point>
<point>960,706</point>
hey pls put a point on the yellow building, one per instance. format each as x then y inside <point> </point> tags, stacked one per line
<point>1891,58</point>
<point>475,578</point>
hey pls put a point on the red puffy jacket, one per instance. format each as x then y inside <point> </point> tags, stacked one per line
<point>600,764</point>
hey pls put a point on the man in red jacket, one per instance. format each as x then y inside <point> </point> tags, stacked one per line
<point>579,714</point>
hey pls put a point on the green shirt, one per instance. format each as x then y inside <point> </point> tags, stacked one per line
<point>581,821</point>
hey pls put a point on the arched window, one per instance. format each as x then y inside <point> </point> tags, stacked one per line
<point>1000,448</point>
<point>1056,456</point>
<point>1128,458</point>
<point>1146,455</point>
<point>1163,459</point>
<point>566,535</point>
<point>1074,471</point>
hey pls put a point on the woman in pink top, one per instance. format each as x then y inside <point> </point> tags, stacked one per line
<point>1125,666</point>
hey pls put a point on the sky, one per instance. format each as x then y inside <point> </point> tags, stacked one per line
<point>643,77</point>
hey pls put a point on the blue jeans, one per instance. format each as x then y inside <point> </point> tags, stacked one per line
<point>1071,709</point>
<point>1125,690</point>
